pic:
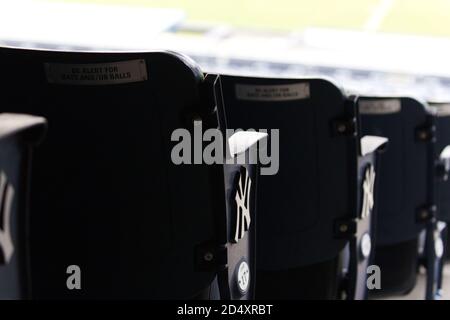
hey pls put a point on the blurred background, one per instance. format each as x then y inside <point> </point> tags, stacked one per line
<point>369,46</point>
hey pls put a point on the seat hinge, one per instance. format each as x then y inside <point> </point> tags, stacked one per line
<point>426,213</point>
<point>426,133</point>
<point>344,126</point>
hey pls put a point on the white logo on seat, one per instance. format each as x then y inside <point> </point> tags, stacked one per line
<point>6,200</point>
<point>242,206</point>
<point>368,186</point>
<point>243,277</point>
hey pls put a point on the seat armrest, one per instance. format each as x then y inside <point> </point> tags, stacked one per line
<point>242,141</point>
<point>30,129</point>
<point>371,144</point>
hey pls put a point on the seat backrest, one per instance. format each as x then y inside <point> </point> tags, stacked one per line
<point>18,135</point>
<point>300,204</point>
<point>312,194</point>
<point>109,201</point>
<point>406,198</point>
<point>442,114</point>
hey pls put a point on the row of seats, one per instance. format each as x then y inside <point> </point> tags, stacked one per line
<point>106,197</point>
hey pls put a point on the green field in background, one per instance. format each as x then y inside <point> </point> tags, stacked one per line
<point>429,17</point>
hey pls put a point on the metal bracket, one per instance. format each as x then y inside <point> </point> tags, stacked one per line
<point>345,228</point>
<point>211,257</point>
<point>426,133</point>
<point>345,127</point>
<point>426,213</point>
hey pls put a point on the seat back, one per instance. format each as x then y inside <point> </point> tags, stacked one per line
<point>442,125</point>
<point>443,154</point>
<point>406,183</point>
<point>308,208</point>
<point>436,243</point>
<point>110,202</point>
<point>442,120</point>
<point>18,135</point>
<point>406,180</point>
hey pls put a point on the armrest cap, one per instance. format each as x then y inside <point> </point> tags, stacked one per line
<point>241,141</point>
<point>31,128</point>
<point>371,144</point>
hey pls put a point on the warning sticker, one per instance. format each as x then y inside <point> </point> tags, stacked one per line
<point>384,106</point>
<point>286,92</point>
<point>97,73</point>
<point>442,110</point>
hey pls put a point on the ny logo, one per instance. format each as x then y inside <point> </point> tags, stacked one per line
<point>368,186</point>
<point>243,206</point>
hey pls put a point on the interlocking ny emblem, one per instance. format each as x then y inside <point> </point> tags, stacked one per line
<point>368,186</point>
<point>242,206</point>
<point>6,200</point>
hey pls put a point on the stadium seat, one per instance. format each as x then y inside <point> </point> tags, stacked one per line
<point>18,135</point>
<point>113,215</point>
<point>442,116</point>
<point>315,212</point>
<point>438,246</point>
<point>407,206</point>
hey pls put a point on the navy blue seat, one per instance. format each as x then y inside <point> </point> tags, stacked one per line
<point>407,204</point>
<point>442,122</point>
<point>108,198</point>
<point>438,245</point>
<point>19,134</point>
<point>315,215</point>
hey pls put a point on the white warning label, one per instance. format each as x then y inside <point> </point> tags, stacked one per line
<point>97,73</point>
<point>383,106</point>
<point>442,110</point>
<point>283,92</point>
